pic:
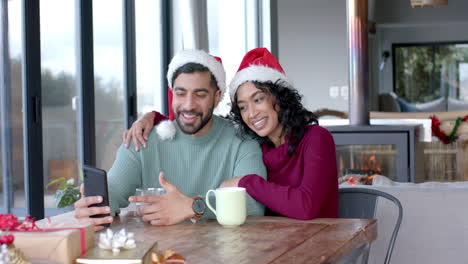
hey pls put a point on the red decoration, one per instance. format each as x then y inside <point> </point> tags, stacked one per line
<point>446,139</point>
<point>7,239</point>
<point>435,126</point>
<point>8,222</point>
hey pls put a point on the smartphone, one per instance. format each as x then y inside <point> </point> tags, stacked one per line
<point>95,184</point>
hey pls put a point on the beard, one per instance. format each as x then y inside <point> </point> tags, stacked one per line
<point>191,129</point>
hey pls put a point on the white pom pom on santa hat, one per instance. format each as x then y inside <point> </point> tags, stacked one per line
<point>166,130</point>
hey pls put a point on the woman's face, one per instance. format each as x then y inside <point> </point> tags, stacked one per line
<point>258,111</point>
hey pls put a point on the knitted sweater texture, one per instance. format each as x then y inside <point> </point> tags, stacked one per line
<point>193,164</point>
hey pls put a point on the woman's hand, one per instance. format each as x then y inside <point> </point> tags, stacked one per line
<point>139,131</point>
<point>233,182</point>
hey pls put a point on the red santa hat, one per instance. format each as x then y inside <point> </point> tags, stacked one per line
<point>214,64</point>
<point>258,65</point>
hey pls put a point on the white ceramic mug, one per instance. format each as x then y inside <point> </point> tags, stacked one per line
<point>230,205</point>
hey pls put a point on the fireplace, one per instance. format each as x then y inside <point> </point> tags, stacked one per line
<point>365,151</point>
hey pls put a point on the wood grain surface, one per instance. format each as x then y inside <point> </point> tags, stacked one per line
<point>259,240</point>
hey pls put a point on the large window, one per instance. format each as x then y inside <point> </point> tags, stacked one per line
<point>108,84</point>
<point>46,108</point>
<point>14,118</point>
<point>148,55</point>
<point>427,72</point>
<point>235,27</point>
<point>227,38</point>
<point>59,94</point>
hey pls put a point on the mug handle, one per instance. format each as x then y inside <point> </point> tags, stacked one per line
<point>207,199</point>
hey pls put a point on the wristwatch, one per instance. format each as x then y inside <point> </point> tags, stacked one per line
<point>198,207</point>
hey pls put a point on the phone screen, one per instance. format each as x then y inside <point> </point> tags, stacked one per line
<point>95,184</point>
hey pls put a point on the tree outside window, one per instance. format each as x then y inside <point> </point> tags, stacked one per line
<point>426,72</point>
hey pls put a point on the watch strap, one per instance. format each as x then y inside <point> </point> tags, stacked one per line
<point>197,215</point>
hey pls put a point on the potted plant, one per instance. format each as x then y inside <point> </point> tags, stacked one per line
<point>67,192</point>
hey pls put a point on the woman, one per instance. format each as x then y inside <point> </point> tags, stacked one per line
<point>299,154</point>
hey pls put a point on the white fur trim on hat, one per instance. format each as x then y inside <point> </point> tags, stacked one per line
<point>166,130</point>
<point>257,73</point>
<point>198,56</point>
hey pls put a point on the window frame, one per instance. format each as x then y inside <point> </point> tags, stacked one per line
<point>5,106</point>
<point>32,116</point>
<point>433,45</point>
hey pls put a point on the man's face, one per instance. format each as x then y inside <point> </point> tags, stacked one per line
<point>193,102</point>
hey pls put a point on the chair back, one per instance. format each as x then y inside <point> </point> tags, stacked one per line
<point>355,202</point>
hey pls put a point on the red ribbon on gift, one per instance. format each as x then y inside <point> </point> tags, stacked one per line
<point>9,222</point>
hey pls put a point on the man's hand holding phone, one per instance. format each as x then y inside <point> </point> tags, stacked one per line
<point>83,211</point>
<point>94,203</point>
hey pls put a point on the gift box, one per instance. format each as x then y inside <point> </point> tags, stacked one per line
<point>57,242</point>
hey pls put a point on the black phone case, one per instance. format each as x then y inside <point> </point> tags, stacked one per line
<point>95,183</point>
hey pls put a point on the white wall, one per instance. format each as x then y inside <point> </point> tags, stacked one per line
<point>313,50</point>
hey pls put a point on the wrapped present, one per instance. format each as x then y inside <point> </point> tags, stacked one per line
<point>62,243</point>
<point>58,242</point>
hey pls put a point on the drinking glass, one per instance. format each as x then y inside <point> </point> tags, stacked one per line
<point>152,191</point>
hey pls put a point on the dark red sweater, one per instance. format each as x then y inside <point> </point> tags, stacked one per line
<point>303,186</point>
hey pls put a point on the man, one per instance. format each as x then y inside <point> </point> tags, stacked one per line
<point>203,152</point>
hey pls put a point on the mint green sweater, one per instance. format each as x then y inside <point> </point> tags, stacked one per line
<point>193,164</point>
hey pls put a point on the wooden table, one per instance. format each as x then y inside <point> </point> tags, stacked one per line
<point>260,240</point>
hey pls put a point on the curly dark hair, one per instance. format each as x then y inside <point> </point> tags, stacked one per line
<point>292,114</point>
